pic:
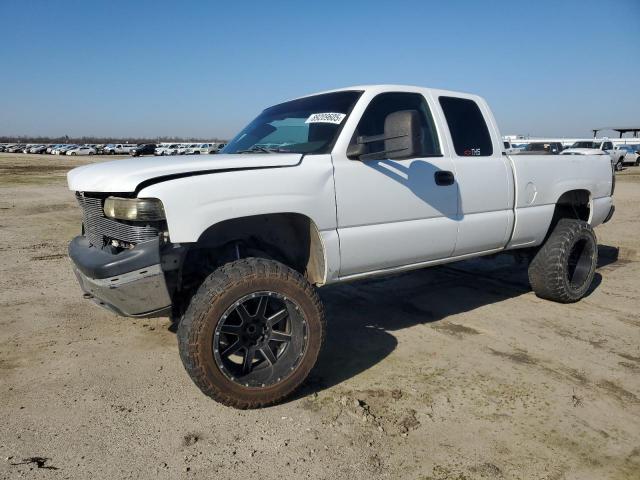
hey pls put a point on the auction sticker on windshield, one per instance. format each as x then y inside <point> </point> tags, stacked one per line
<point>325,118</point>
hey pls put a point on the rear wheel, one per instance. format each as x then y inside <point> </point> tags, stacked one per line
<point>252,333</point>
<point>564,267</point>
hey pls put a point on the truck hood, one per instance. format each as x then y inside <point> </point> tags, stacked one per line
<point>583,151</point>
<point>123,176</point>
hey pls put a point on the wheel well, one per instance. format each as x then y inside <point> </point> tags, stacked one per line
<point>572,204</point>
<point>290,238</point>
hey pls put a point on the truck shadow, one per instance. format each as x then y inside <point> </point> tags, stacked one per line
<point>362,316</point>
<point>419,177</point>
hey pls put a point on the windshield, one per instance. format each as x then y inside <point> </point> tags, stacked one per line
<point>586,145</point>
<point>306,125</point>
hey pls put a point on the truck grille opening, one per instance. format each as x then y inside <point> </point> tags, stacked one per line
<point>100,230</point>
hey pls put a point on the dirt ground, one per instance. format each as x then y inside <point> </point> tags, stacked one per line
<point>455,372</point>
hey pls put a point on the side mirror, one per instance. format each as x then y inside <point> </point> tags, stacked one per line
<point>402,138</point>
<point>403,135</point>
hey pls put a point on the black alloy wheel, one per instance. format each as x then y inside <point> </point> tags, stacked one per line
<point>260,339</point>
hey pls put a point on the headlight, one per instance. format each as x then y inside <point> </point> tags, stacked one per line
<point>135,209</point>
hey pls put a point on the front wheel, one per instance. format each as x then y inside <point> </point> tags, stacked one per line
<point>252,333</point>
<point>564,267</point>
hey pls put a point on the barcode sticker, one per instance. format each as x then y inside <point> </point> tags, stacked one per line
<point>325,118</point>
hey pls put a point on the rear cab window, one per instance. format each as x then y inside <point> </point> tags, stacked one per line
<point>468,128</point>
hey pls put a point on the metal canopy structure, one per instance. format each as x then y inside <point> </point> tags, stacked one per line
<point>620,130</point>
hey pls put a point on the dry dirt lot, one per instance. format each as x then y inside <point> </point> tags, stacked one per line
<point>455,372</point>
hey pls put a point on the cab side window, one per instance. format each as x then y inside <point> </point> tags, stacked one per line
<point>467,126</point>
<point>372,121</point>
<point>608,146</point>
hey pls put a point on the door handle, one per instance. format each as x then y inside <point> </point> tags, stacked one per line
<point>444,178</point>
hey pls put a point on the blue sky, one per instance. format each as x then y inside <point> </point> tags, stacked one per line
<point>120,68</point>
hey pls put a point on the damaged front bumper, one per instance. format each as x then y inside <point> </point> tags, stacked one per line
<point>129,283</point>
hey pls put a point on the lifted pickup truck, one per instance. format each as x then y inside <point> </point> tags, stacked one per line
<point>337,186</point>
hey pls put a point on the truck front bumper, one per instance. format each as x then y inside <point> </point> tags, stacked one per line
<point>130,283</point>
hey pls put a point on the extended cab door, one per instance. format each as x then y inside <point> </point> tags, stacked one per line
<point>483,173</point>
<point>392,213</point>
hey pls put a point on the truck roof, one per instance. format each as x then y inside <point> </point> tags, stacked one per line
<point>381,88</point>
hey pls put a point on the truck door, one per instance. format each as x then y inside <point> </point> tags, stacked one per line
<point>484,176</point>
<point>392,213</point>
<point>607,147</point>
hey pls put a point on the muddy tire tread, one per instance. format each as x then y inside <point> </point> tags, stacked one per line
<point>195,319</point>
<point>547,269</point>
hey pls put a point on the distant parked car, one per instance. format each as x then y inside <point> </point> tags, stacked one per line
<point>200,148</point>
<point>631,154</point>
<point>63,149</point>
<point>119,149</point>
<point>585,151</point>
<point>50,148</point>
<point>146,149</point>
<point>38,149</point>
<point>182,149</point>
<point>541,148</point>
<point>170,149</point>
<point>15,148</point>
<point>125,148</point>
<point>508,148</point>
<point>83,150</point>
<point>589,147</point>
<point>219,147</point>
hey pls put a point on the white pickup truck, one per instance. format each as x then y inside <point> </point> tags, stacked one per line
<point>597,147</point>
<point>118,149</point>
<point>337,186</point>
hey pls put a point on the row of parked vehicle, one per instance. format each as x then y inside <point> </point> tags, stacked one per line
<point>57,149</point>
<point>188,149</point>
<point>116,149</point>
<point>620,154</point>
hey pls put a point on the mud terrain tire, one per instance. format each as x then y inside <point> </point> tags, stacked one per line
<point>564,267</point>
<point>225,296</point>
